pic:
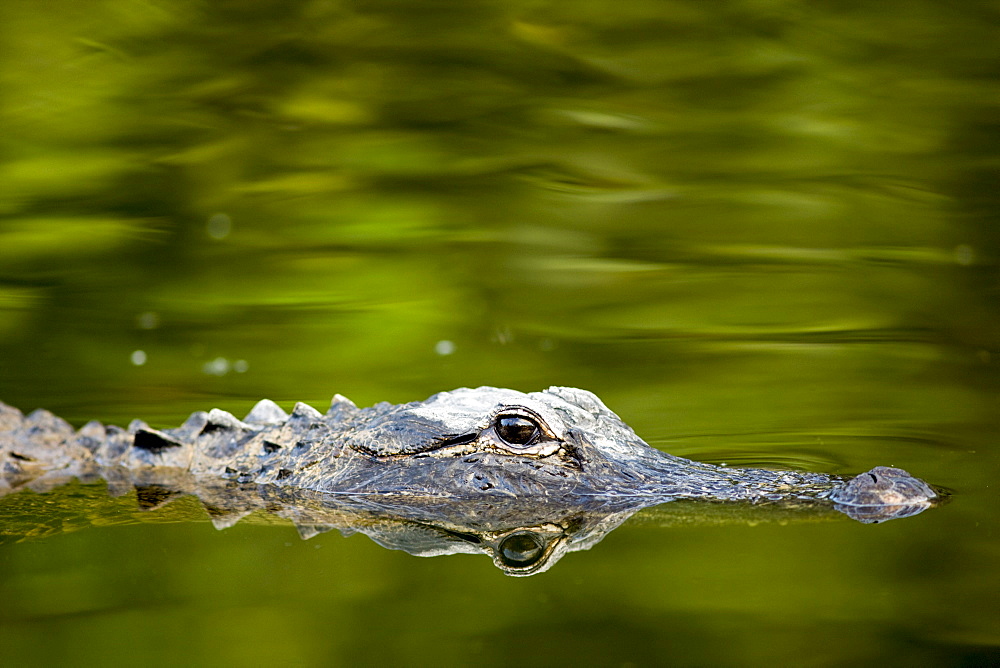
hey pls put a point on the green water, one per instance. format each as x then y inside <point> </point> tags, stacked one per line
<point>765,233</point>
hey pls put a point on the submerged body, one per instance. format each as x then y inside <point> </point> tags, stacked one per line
<point>558,447</point>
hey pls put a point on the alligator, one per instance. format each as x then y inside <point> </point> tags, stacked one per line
<point>476,465</point>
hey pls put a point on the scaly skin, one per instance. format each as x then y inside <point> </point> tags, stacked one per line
<point>561,447</point>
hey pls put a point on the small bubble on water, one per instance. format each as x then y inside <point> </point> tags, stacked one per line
<point>963,254</point>
<point>138,357</point>
<point>444,347</point>
<point>148,320</point>
<point>217,367</point>
<point>219,226</point>
<point>503,335</point>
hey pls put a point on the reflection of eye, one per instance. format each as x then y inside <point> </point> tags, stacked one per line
<point>520,550</point>
<point>516,430</point>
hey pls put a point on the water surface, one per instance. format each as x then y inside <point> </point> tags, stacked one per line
<point>763,232</point>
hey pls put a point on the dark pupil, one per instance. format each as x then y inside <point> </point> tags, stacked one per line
<point>520,550</point>
<point>516,430</point>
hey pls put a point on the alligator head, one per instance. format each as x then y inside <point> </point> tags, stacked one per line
<point>564,443</point>
<point>495,442</point>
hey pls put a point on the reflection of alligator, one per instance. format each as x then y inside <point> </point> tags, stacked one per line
<point>522,536</point>
<point>486,459</point>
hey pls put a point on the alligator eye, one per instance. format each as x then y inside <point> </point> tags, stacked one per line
<point>517,430</point>
<point>520,550</point>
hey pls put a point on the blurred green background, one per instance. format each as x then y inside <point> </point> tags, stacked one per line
<point>764,232</point>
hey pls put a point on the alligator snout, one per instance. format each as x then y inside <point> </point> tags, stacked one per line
<point>884,493</point>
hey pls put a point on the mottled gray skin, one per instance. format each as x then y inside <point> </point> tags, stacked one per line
<point>447,447</point>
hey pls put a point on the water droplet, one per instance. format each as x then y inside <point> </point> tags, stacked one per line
<point>138,357</point>
<point>444,347</point>
<point>148,320</point>
<point>219,226</point>
<point>217,367</point>
<point>503,335</point>
<point>963,254</point>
